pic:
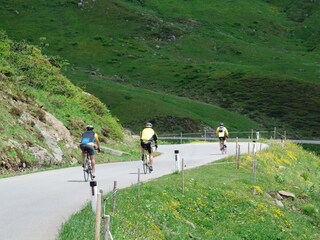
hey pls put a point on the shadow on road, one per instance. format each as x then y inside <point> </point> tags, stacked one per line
<point>76,181</point>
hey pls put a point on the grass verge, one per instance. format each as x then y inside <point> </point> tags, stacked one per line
<point>219,202</point>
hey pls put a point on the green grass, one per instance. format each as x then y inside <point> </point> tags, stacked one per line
<point>312,148</point>
<point>256,58</point>
<point>161,108</point>
<point>219,202</point>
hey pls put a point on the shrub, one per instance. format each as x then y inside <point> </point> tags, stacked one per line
<point>17,112</point>
<point>309,209</point>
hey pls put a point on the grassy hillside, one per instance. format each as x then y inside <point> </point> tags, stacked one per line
<point>43,114</point>
<point>256,58</point>
<point>134,106</point>
<point>219,202</point>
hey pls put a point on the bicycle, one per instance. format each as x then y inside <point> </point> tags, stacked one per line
<point>223,146</point>
<point>146,160</point>
<point>87,167</point>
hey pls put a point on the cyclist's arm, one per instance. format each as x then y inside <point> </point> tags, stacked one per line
<point>227,133</point>
<point>96,137</point>
<point>155,138</point>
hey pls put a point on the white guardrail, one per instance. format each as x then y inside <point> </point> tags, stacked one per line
<point>252,135</point>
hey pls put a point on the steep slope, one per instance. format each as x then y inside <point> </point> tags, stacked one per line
<point>42,113</point>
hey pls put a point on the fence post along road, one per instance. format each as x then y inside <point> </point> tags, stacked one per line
<point>34,206</point>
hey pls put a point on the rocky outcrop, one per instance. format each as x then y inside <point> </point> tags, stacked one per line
<point>41,139</point>
<point>53,133</point>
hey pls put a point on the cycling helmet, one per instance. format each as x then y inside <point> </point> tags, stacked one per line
<point>221,124</point>
<point>149,125</point>
<point>89,127</point>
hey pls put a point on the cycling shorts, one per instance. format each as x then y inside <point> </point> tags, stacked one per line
<point>146,146</point>
<point>222,138</point>
<point>87,147</point>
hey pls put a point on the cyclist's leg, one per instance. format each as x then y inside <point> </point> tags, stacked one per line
<point>82,147</point>
<point>93,164</point>
<point>220,143</point>
<point>150,154</point>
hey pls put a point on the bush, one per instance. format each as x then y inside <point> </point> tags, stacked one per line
<point>16,112</point>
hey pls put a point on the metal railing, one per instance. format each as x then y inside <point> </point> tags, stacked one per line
<point>251,135</point>
<point>211,135</point>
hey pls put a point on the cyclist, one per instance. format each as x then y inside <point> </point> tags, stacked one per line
<point>148,135</point>
<point>88,141</point>
<point>223,134</point>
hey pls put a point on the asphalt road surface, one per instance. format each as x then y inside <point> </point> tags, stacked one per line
<point>34,206</point>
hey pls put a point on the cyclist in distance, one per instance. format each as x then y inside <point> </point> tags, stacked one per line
<point>223,134</point>
<point>89,140</point>
<point>148,135</point>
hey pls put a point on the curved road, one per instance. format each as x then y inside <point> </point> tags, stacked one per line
<point>34,206</point>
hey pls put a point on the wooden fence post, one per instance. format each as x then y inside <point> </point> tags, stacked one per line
<point>237,147</point>
<point>114,196</point>
<point>106,227</point>
<point>138,183</point>
<point>182,168</point>
<point>98,216</point>
<point>254,162</point>
<point>238,157</point>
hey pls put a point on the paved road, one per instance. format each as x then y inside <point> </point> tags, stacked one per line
<point>34,206</point>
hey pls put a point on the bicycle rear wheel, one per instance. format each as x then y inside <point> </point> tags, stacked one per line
<point>145,164</point>
<point>86,171</point>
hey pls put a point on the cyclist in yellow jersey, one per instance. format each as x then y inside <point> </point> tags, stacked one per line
<point>222,133</point>
<point>88,141</point>
<point>148,135</point>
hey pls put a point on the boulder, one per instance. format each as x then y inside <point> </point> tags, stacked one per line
<point>287,194</point>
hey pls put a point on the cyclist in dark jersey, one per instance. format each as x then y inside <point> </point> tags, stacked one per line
<point>89,140</point>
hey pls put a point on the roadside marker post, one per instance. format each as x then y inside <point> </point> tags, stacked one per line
<point>93,185</point>
<point>177,161</point>
<point>139,184</point>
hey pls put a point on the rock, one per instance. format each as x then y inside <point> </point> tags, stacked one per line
<point>282,167</point>
<point>278,196</point>
<point>268,195</point>
<point>42,155</point>
<point>279,203</point>
<point>287,194</point>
